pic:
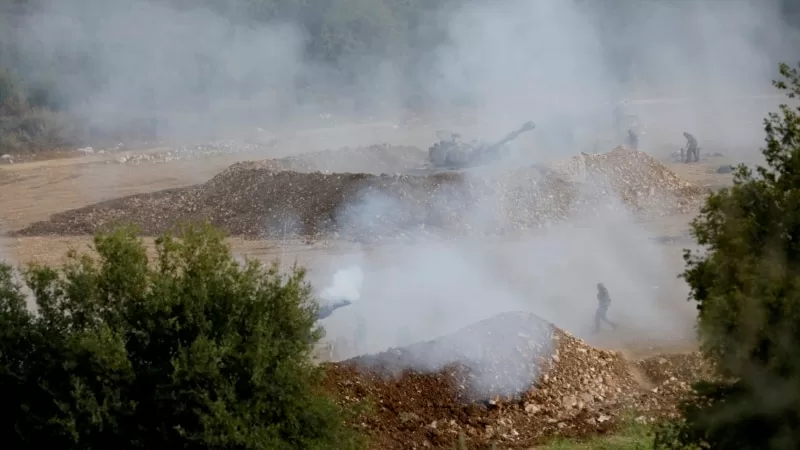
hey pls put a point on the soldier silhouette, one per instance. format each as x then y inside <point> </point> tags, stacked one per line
<point>603,302</point>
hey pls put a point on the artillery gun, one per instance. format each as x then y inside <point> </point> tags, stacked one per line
<point>453,154</point>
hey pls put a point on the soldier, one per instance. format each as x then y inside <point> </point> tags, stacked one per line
<point>692,150</point>
<point>633,139</point>
<point>604,301</point>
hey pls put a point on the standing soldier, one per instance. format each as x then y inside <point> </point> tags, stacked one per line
<point>692,150</point>
<point>604,301</point>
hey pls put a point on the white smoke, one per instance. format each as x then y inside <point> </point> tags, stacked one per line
<point>346,285</point>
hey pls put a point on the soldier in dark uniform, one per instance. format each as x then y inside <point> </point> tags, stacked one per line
<point>692,150</point>
<point>633,139</point>
<point>604,301</point>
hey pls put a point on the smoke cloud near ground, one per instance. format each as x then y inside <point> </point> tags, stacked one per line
<point>345,285</point>
<point>189,71</point>
<point>564,65</point>
<point>193,73</point>
<point>430,287</point>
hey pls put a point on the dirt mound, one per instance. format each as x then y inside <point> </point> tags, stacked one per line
<point>644,184</point>
<point>261,199</point>
<point>561,386</point>
<point>669,379</point>
<point>256,199</point>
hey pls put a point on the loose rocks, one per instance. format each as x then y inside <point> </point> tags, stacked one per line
<point>425,396</point>
<point>645,185</point>
<point>260,199</point>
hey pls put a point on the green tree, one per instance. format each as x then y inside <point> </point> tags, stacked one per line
<point>746,284</point>
<point>195,351</point>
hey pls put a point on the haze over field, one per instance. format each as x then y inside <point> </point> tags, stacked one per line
<point>196,71</point>
<point>192,72</point>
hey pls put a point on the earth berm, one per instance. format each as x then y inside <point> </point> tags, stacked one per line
<point>263,200</point>
<point>512,380</point>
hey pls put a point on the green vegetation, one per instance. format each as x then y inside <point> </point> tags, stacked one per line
<point>193,351</point>
<point>632,436</point>
<point>747,289</point>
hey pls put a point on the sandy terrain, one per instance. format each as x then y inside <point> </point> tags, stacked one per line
<point>574,387</point>
<point>33,191</point>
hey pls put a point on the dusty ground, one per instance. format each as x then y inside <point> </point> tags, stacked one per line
<point>32,191</point>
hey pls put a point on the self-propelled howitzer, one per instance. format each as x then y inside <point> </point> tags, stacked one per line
<point>452,154</point>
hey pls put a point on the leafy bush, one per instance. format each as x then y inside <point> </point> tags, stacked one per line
<point>747,287</point>
<point>193,351</point>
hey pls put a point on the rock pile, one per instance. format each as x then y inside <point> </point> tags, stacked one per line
<point>262,199</point>
<point>669,380</point>
<point>639,180</point>
<point>257,200</point>
<point>425,396</point>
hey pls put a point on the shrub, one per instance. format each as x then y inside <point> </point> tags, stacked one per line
<point>194,351</point>
<point>747,288</point>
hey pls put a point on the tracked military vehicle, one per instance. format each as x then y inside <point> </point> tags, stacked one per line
<point>451,154</point>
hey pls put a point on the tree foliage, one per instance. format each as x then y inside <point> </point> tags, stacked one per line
<point>747,287</point>
<point>193,351</point>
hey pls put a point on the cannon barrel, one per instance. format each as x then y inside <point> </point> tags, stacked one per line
<point>527,126</point>
<point>327,310</point>
<point>451,153</point>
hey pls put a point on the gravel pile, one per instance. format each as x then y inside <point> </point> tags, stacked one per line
<point>670,379</point>
<point>425,396</point>
<point>264,200</point>
<point>645,185</point>
<point>258,200</point>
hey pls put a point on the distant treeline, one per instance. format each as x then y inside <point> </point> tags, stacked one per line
<point>341,36</point>
<point>336,32</point>
<point>403,31</point>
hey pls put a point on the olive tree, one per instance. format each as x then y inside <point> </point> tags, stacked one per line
<point>193,351</point>
<point>746,282</point>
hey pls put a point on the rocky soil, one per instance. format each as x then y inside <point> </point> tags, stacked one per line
<point>640,181</point>
<point>264,199</point>
<point>512,380</point>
